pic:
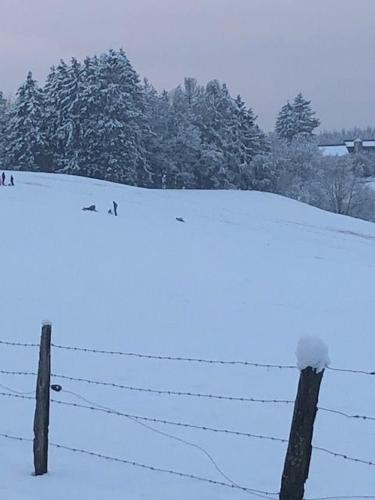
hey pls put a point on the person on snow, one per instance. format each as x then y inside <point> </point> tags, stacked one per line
<point>91,208</point>
<point>115,208</point>
<point>11,180</point>
<point>3,179</point>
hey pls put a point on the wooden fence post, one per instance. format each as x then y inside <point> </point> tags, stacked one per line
<point>41,418</point>
<point>297,461</point>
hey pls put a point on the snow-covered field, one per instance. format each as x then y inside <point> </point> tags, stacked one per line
<point>243,278</point>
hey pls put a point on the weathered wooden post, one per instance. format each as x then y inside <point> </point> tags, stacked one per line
<point>41,418</point>
<point>312,359</point>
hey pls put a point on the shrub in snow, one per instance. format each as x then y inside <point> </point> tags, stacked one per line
<point>312,352</point>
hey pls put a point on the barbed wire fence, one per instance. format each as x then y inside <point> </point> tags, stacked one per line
<point>42,407</point>
<point>182,358</point>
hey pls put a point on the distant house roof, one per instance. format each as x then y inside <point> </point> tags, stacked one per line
<point>347,147</point>
<point>334,150</point>
<point>365,144</point>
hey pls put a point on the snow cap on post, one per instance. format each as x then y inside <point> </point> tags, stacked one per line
<point>46,322</point>
<point>312,352</point>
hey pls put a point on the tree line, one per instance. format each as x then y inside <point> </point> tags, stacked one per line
<point>339,136</point>
<point>96,118</point>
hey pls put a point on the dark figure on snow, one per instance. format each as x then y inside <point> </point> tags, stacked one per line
<point>3,179</point>
<point>115,208</point>
<point>91,208</point>
<point>11,180</point>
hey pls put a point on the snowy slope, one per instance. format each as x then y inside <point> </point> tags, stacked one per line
<point>244,278</point>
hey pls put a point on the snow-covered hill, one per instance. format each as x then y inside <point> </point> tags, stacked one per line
<point>244,277</point>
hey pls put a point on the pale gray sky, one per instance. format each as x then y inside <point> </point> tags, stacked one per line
<point>266,50</point>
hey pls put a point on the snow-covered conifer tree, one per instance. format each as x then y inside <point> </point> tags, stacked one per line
<point>158,138</point>
<point>306,120</point>
<point>184,143</point>
<point>249,142</point>
<point>214,116</point>
<point>286,123</point>
<point>296,119</point>
<point>64,117</point>
<point>3,123</point>
<point>26,142</point>
<point>71,115</point>
<point>117,120</point>
<point>230,138</point>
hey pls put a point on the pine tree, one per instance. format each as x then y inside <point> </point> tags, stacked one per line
<point>192,91</point>
<point>26,142</point>
<point>184,141</point>
<point>285,123</point>
<point>97,122</point>
<point>296,119</point>
<point>71,116</point>
<point>306,121</point>
<point>249,142</point>
<point>214,116</point>
<point>3,124</point>
<point>118,121</point>
<point>158,137</point>
<point>64,117</point>
<point>174,146</point>
<point>230,137</point>
<point>51,125</point>
<point>91,119</point>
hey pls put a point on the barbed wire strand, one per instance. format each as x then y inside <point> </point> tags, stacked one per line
<point>201,360</point>
<point>344,456</point>
<point>154,420</point>
<point>11,372</point>
<point>174,358</point>
<point>101,408</point>
<point>252,491</point>
<point>319,448</point>
<point>173,393</point>
<point>363,417</point>
<point>164,434</point>
<point>176,393</point>
<point>15,391</point>
<point>346,415</point>
<point>154,356</point>
<point>258,493</point>
<point>18,344</point>
<point>172,423</point>
<point>18,396</point>
<point>183,358</point>
<point>156,391</point>
<point>112,411</point>
<point>348,370</point>
<point>16,438</point>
